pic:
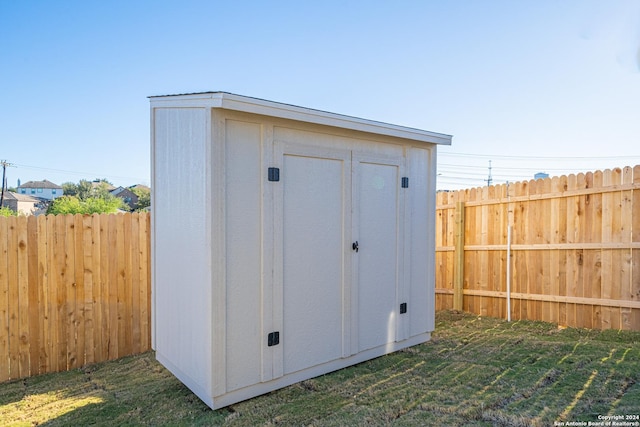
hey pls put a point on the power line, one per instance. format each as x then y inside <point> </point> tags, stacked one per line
<point>559,158</point>
<point>503,168</point>
<point>85,174</point>
<point>470,169</point>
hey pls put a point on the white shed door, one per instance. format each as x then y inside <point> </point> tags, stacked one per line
<point>329,300</point>
<point>376,228</point>
<point>315,204</point>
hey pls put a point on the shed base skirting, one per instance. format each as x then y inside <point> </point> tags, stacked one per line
<point>217,402</point>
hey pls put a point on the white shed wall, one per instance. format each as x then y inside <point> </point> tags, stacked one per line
<point>422,165</point>
<point>244,287</point>
<point>182,251</point>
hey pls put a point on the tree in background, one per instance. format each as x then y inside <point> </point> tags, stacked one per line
<point>69,189</point>
<point>85,189</point>
<point>101,188</point>
<point>144,198</point>
<point>86,198</point>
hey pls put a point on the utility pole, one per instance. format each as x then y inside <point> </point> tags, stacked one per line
<point>490,178</point>
<point>4,164</point>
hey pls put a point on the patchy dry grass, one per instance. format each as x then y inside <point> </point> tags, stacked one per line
<point>474,372</point>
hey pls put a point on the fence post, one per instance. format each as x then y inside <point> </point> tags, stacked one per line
<point>458,275</point>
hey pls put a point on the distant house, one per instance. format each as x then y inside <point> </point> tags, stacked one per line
<point>22,203</point>
<point>129,197</point>
<point>44,189</point>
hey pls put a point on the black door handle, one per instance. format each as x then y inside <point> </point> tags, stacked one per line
<point>354,246</point>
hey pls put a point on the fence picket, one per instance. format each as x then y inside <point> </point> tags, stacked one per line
<point>626,256</point>
<point>573,227</point>
<point>4,300</point>
<point>34,302</point>
<point>85,231</point>
<point>126,272</point>
<point>79,312</point>
<point>594,287</point>
<point>635,265</point>
<point>544,230</point>
<point>71,314</point>
<point>134,276</point>
<point>54,280</point>
<point>100,333</point>
<point>112,289</point>
<point>612,275</point>
<point>14,298</point>
<point>23,295</point>
<point>120,298</point>
<point>145,279</point>
<point>555,235</point>
<point>43,294</point>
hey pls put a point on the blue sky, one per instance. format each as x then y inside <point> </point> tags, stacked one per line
<point>532,85</point>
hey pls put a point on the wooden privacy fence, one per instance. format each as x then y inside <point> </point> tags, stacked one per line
<point>573,244</point>
<point>77,289</point>
<point>73,290</point>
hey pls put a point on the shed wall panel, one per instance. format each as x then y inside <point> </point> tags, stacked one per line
<point>243,203</point>
<point>421,273</point>
<point>182,268</point>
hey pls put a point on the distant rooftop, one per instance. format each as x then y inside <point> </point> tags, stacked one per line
<point>10,195</point>
<point>97,183</point>
<point>139,187</point>
<point>40,184</point>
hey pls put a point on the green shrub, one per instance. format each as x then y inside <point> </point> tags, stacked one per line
<point>73,205</point>
<point>5,211</point>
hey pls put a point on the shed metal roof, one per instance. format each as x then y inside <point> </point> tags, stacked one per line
<point>230,101</point>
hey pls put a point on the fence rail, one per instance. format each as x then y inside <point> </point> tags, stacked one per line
<point>73,290</point>
<point>574,244</point>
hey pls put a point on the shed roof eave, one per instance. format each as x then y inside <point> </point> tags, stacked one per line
<point>229,101</point>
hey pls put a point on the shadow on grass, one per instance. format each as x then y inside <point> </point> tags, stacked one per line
<point>135,390</point>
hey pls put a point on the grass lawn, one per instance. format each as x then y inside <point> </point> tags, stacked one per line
<point>474,372</point>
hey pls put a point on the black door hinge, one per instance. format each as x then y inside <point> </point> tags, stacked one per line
<point>403,308</point>
<point>274,174</point>
<point>405,182</point>
<point>273,339</point>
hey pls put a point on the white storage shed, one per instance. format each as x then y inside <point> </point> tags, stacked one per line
<point>287,242</point>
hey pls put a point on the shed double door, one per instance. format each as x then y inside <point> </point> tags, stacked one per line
<point>338,258</point>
